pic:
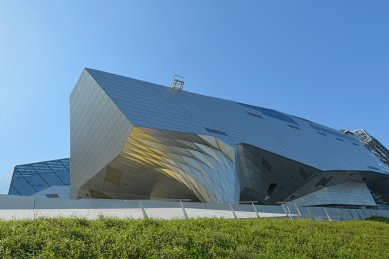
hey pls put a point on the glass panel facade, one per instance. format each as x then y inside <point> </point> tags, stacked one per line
<point>31,179</point>
<point>5,182</point>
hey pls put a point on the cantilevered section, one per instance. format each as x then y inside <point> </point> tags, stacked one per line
<point>132,139</point>
<point>371,143</point>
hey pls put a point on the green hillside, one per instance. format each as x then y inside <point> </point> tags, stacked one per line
<point>194,238</point>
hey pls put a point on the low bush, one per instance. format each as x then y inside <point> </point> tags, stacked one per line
<point>379,219</point>
<point>193,238</point>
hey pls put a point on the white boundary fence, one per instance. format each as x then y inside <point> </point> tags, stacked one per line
<point>18,207</point>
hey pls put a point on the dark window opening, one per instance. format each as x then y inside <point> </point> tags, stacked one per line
<point>303,174</point>
<point>52,195</point>
<point>255,115</point>
<point>271,113</point>
<point>294,127</point>
<point>332,132</point>
<point>266,164</point>
<point>340,139</point>
<point>321,133</point>
<point>216,131</point>
<point>278,115</point>
<point>323,181</point>
<point>303,119</point>
<point>271,189</point>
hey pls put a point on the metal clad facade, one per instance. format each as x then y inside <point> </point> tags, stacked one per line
<point>153,106</point>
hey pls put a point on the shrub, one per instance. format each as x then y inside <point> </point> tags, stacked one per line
<point>193,238</point>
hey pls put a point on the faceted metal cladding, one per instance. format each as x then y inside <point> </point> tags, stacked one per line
<point>136,140</point>
<point>350,193</point>
<point>112,159</point>
<point>203,163</point>
<point>98,131</point>
<point>269,178</point>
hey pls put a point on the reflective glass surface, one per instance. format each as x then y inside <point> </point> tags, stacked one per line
<point>30,179</point>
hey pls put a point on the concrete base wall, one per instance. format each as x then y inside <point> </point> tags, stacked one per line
<point>18,207</point>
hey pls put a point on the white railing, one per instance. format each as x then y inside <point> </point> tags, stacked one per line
<point>17,207</point>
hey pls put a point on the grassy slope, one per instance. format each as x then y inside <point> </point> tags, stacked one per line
<point>197,238</point>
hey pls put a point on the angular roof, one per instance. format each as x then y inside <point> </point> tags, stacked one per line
<point>150,105</point>
<point>38,178</point>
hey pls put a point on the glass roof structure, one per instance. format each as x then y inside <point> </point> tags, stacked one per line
<point>48,178</point>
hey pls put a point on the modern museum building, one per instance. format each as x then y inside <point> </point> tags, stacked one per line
<point>134,140</point>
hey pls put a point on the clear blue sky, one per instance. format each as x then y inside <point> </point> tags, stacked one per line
<point>327,61</point>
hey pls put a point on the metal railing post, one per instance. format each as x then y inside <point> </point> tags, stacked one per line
<point>352,216</point>
<point>143,210</point>
<point>33,210</point>
<point>340,214</point>
<point>183,209</point>
<point>233,212</point>
<point>298,210</point>
<point>359,213</point>
<point>364,212</point>
<point>289,213</point>
<point>283,206</point>
<point>255,209</point>
<point>328,216</point>
<point>310,214</point>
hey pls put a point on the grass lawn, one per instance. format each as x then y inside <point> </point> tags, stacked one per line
<point>193,238</point>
